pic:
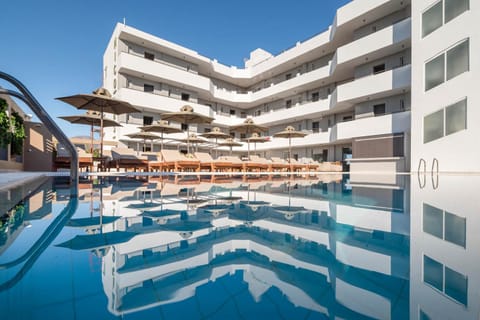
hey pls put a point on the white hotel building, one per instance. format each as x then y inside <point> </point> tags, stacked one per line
<point>349,87</point>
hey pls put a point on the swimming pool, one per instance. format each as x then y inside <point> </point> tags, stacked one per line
<point>321,247</point>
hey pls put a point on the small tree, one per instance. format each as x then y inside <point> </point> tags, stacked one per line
<point>12,130</point>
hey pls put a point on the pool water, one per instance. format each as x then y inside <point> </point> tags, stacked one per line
<point>394,247</point>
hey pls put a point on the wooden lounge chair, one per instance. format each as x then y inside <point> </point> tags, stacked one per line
<point>296,166</point>
<point>311,164</point>
<point>173,160</point>
<point>236,163</point>
<point>257,163</point>
<point>127,158</point>
<point>63,159</point>
<point>207,162</point>
<point>279,164</point>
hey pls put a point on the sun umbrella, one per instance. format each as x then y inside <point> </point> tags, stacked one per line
<point>161,127</point>
<point>256,138</point>
<point>230,143</point>
<point>248,127</point>
<point>101,100</point>
<point>216,134</point>
<point>186,115</point>
<point>193,139</point>
<point>93,119</point>
<point>290,133</point>
<point>143,135</point>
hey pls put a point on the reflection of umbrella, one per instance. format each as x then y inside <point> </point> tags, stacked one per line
<point>215,209</point>
<point>97,241</point>
<point>193,139</point>
<point>161,127</point>
<point>162,213</point>
<point>248,127</point>
<point>187,225</point>
<point>186,116</point>
<point>230,143</point>
<point>290,133</point>
<point>101,100</point>
<point>143,135</point>
<point>216,134</point>
<point>256,138</point>
<point>91,222</point>
<point>289,211</point>
<point>93,119</point>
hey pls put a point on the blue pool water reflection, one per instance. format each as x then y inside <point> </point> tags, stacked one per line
<point>304,247</point>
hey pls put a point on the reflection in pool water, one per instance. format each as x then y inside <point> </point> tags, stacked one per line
<point>316,247</point>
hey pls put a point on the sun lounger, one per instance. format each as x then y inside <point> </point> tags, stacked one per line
<point>63,159</point>
<point>311,164</point>
<point>127,158</point>
<point>257,163</point>
<point>296,166</point>
<point>174,160</point>
<point>279,164</point>
<point>236,163</point>
<point>207,162</point>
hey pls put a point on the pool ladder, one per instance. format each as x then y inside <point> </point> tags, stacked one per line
<point>422,163</point>
<point>26,96</point>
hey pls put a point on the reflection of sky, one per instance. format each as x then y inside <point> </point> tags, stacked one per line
<point>336,220</point>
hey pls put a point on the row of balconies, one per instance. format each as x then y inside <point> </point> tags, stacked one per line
<point>345,95</point>
<point>376,45</point>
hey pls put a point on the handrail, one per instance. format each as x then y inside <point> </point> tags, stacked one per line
<point>422,185</point>
<point>424,165</point>
<point>435,160</point>
<point>435,185</point>
<point>26,96</point>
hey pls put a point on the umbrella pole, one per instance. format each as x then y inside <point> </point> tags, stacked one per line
<point>290,152</point>
<point>101,134</point>
<point>188,139</point>
<point>216,148</point>
<point>91,139</point>
<point>231,147</point>
<point>161,143</point>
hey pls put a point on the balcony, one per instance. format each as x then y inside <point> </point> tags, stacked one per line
<point>373,87</point>
<point>387,124</point>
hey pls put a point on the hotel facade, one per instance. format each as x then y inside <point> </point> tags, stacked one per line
<point>368,90</point>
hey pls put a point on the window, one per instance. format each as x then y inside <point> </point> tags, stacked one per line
<point>435,72</point>
<point>315,96</point>
<point>243,114</point>
<point>316,127</point>
<point>288,76</point>
<point>185,96</point>
<point>232,112</point>
<point>446,121</point>
<point>444,225</point>
<point>446,280</point>
<point>433,18</point>
<point>206,130</point>
<point>232,134</point>
<point>379,68</point>
<point>288,104</point>
<point>457,60</point>
<point>433,126</point>
<point>243,135</point>
<point>149,56</point>
<point>147,120</point>
<point>379,109</point>
<point>454,8</point>
<point>148,88</point>
<point>347,118</point>
<point>184,127</point>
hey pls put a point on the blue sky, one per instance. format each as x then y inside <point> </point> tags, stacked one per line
<point>56,47</point>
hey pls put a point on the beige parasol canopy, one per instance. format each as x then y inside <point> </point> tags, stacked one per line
<point>91,118</point>
<point>186,115</point>
<point>100,100</point>
<point>248,127</point>
<point>256,138</point>
<point>230,143</point>
<point>161,127</point>
<point>194,139</point>
<point>290,133</point>
<point>216,134</point>
<point>143,135</point>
